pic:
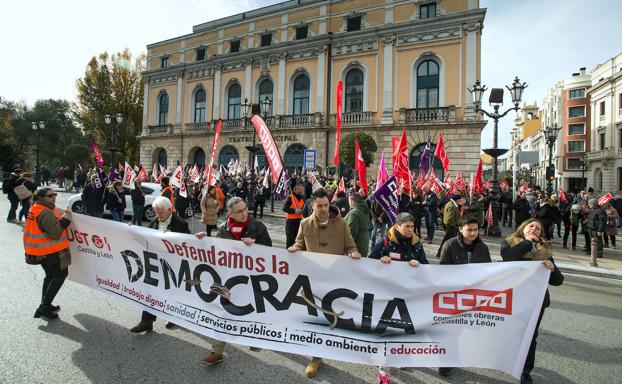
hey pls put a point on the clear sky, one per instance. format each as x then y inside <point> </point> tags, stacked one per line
<point>47,44</point>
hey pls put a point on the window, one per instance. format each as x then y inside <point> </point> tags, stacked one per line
<point>301,95</point>
<point>164,62</point>
<point>576,129</point>
<point>575,163</point>
<point>200,54</point>
<point>354,91</point>
<point>427,84</point>
<point>620,101</point>
<point>602,108</point>
<point>228,153</point>
<point>576,146</point>
<point>235,46</point>
<point>234,101</point>
<point>266,39</point>
<point>265,91</point>
<point>163,109</point>
<point>162,158</point>
<point>200,106</point>
<point>602,140</point>
<point>354,23</point>
<point>302,32</point>
<point>576,93</point>
<point>576,111</point>
<point>427,11</point>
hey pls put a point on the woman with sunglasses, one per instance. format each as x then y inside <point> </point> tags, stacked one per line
<point>46,244</point>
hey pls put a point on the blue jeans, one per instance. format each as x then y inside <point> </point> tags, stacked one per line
<point>117,216</point>
<point>138,215</point>
<point>430,223</point>
<point>375,227</point>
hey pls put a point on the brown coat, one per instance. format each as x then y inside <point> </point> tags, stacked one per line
<point>333,238</point>
<point>209,210</point>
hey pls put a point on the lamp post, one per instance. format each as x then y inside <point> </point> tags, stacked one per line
<point>550,135</point>
<point>496,100</point>
<point>38,127</point>
<point>115,121</point>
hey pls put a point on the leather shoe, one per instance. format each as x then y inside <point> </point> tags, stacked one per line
<point>212,358</point>
<point>55,308</point>
<point>143,326</point>
<point>313,367</point>
<point>170,325</point>
<point>444,371</point>
<point>45,313</point>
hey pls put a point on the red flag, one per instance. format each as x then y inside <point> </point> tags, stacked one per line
<point>120,167</point>
<point>487,184</point>
<point>395,142</point>
<point>479,185</point>
<point>359,166</point>
<point>447,180</point>
<point>503,185</point>
<point>162,174</point>
<point>340,188</point>
<point>400,169</point>
<point>269,147</point>
<point>441,153</point>
<point>142,174</point>
<point>605,199</point>
<point>136,169</point>
<point>562,195</point>
<point>214,145</point>
<point>338,121</point>
<point>488,215</point>
<point>154,171</point>
<point>523,187</point>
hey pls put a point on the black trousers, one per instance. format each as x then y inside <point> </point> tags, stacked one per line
<point>291,230</point>
<point>209,229</point>
<point>146,316</point>
<point>530,361</point>
<point>13,209</point>
<point>261,205</point>
<point>53,281</point>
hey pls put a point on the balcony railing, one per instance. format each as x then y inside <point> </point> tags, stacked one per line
<point>232,124</point>
<point>160,129</point>
<point>204,127</point>
<point>299,121</point>
<point>423,115</point>
<point>353,118</point>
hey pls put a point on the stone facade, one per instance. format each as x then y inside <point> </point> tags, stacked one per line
<point>414,74</point>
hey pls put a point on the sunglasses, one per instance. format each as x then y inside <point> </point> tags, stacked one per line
<point>51,195</point>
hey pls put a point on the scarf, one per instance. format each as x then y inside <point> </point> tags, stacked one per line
<point>236,228</point>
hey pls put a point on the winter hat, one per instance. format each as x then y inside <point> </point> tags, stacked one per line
<point>575,207</point>
<point>592,202</point>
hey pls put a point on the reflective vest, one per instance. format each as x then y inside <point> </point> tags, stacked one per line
<point>37,243</point>
<point>295,204</point>
<point>172,198</point>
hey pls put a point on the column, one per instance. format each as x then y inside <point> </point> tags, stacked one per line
<point>283,29</point>
<point>281,96</point>
<point>387,88</point>
<point>388,12</point>
<point>321,78</point>
<point>217,90</point>
<point>471,68</point>
<point>247,81</point>
<point>146,107</point>
<point>322,29</point>
<point>177,128</point>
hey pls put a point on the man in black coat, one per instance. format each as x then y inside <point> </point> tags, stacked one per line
<point>596,223</point>
<point>465,248</point>
<point>8,187</point>
<point>506,205</point>
<point>166,221</point>
<point>93,198</point>
<point>522,209</point>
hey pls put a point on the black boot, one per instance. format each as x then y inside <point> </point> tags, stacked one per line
<point>143,326</point>
<point>45,312</point>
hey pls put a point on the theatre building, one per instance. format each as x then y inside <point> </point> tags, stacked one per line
<point>404,64</point>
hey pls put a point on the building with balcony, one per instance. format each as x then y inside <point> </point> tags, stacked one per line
<point>605,157</point>
<point>404,64</point>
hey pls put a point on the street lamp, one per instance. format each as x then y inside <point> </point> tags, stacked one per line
<point>496,100</point>
<point>550,135</point>
<point>118,119</point>
<point>38,127</point>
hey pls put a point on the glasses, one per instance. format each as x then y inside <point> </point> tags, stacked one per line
<point>51,195</point>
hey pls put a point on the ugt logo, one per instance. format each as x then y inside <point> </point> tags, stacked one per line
<point>456,302</point>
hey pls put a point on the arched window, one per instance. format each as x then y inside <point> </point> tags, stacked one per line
<point>294,157</point>
<point>162,159</point>
<point>266,90</point>
<point>301,95</point>
<point>354,91</point>
<point>200,106</point>
<point>234,101</point>
<point>199,157</point>
<point>415,160</point>
<point>227,153</point>
<point>163,109</point>
<point>427,84</point>
<point>261,159</point>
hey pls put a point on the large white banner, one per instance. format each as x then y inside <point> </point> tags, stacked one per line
<point>392,315</point>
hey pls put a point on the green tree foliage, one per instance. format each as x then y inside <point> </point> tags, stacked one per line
<point>347,147</point>
<point>111,85</point>
<point>9,155</point>
<point>77,154</point>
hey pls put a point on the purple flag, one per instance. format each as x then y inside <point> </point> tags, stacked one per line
<point>280,191</point>
<point>424,162</point>
<point>386,196</point>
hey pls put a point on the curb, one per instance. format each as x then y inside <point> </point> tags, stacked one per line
<point>589,271</point>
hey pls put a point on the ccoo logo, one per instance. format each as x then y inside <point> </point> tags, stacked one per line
<point>456,302</point>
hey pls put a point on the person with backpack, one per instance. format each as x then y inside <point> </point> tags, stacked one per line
<point>30,188</point>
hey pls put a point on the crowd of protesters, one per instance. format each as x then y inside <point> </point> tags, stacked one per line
<point>359,226</point>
